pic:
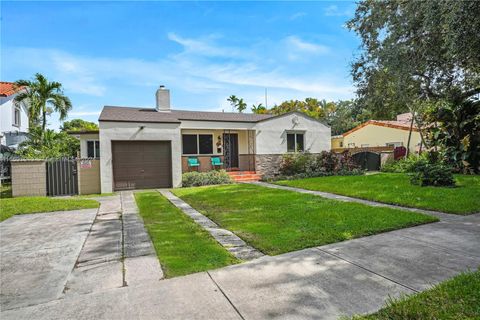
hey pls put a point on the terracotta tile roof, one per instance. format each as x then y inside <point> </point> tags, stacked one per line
<point>127,114</point>
<point>402,125</point>
<point>8,88</point>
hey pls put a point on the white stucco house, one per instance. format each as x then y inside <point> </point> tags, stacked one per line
<point>13,119</point>
<point>150,147</point>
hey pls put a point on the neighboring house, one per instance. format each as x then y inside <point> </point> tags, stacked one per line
<point>13,119</point>
<point>383,133</point>
<point>337,142</point>
<point>150,147</point>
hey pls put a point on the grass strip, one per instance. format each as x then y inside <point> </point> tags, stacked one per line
<point>182,246</point>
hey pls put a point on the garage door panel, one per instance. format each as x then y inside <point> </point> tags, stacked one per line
<point>141,164</point>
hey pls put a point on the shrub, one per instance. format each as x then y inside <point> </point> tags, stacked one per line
<point>432,174</point>
<point>303,165</point>
<point>405,165</point>
<point>195,179</point>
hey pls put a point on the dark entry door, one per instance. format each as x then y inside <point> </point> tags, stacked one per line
<point>141,164</point>
<point>230,150</point>
<point>369,161</point>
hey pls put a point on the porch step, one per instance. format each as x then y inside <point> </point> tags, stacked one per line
<point>244,176</point>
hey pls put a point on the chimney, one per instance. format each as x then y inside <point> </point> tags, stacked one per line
<point>163,99</point>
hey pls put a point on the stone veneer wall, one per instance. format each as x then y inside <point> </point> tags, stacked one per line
<point>29,178</point>
<point>268,165</point>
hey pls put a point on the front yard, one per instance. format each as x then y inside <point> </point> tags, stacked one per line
<point>182,246</point>
<point>395,188</point>
<point>457,298</point>
<point>23,205</point>
<point>278,221</point>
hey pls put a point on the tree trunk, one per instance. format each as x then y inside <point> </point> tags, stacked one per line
<point>44,120</point>
<point>410,135</point>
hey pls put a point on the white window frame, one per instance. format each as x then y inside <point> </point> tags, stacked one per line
<point>198,144</point>
<point>15,110</point>
<point>295,140</point>
<point>96,156</point>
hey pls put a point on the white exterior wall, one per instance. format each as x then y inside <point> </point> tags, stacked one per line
<point>83,142</point>
<point>271,134</point>
<point>130,131</point>
<point>6,117</point>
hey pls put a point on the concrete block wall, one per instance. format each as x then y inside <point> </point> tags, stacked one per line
<point>29,178</point>
<point>89,176</point>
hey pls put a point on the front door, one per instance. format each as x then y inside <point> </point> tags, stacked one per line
<point>230,150</point>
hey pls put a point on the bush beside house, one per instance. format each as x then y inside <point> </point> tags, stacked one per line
<point>424,170</point>
<point>195,179</point>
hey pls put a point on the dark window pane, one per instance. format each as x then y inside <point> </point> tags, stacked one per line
<point>97,149</point>
<point>189,143</point>
<point>300,142</point>
<point>291,142</point>
<point>90,149</point>
<point>206,144</point>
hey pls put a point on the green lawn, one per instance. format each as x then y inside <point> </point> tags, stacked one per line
<point>5,191</point>
<point>457,298</point>
<point>182,246</point>
<point>395,188</point>
<point>277,221</point>
<point>22,205</point>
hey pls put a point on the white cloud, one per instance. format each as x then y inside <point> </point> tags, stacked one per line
<point>205,46</point>
<point>301,45</point>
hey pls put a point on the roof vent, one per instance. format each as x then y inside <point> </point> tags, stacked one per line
<point>163,99</point>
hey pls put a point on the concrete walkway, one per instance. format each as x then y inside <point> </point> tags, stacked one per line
<point>230,241</point>
<point>438,214</point>
<point>326,282</point>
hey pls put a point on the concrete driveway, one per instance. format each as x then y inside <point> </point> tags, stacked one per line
<point>326,282</point>
<point>37,253</point>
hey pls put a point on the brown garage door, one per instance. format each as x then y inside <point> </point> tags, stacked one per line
<point>141,164</point>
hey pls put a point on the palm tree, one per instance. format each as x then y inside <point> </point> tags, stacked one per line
<point>40,95</point>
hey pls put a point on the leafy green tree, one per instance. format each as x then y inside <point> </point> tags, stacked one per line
<point>237,103</point>
<point>259,109</point>
<point>78,125</point>
<point>40,95</point>
<point>456,133</point>
<point>346,115</point>
<point>48,144</point>
<point>314,108</point>
<point>416,50</point>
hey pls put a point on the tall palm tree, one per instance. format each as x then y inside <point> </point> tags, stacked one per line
<point>40,95</point>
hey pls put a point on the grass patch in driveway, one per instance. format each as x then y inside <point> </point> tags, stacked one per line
<point>395,188</point>
<point>23,205</point>
<point>457,298</point>
<point>182,246</point>
<point>278,221</point>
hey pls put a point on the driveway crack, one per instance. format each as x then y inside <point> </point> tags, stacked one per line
<point>226,297</point>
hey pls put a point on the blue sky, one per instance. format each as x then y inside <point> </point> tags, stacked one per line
<point>118,53</point>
